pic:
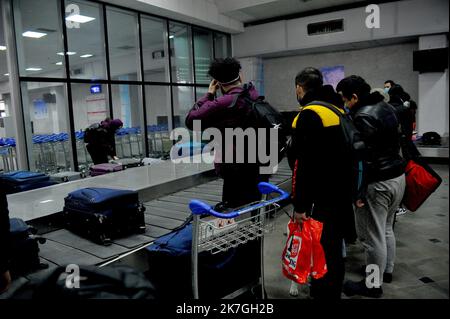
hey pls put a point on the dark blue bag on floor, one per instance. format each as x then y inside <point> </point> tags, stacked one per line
<point>219,274</point>
<point>20,181</point>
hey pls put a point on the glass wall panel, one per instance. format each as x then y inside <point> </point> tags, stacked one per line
<point>222,45</point>
<point>203,51</point>
<point>154,49</point>
<point>158,109</point>
<point>180,52</point>
<point>183,100</point>
<point>200,92</point>
<point>8,160</point>
<point>123,42</point>
<point>127,106</point>
<point>39,38</point>
<point>90,105</point>
<point>85,37</point>
<point>47,126</point>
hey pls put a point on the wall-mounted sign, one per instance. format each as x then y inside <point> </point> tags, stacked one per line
<point>96,89</point>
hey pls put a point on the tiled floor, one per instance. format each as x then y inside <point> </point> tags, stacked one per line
<point>422,252</point>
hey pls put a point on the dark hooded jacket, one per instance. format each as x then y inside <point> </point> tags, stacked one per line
<point>321,180</point>
<point>379,126</point>
<point>4,232</point>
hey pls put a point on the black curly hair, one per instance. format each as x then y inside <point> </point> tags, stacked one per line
<point>226,71</point>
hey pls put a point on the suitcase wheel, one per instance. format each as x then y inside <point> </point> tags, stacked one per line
<point>41,240</point>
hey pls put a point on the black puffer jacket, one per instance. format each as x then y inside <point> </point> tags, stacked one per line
<point>4,232</point>
<point>378,123</point>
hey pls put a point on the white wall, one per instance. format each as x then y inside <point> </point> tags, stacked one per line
<point>376,65</point>
<point>433,112</point>
<point>397,19</point>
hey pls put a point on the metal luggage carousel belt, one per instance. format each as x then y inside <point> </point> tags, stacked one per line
<point>162,215</point>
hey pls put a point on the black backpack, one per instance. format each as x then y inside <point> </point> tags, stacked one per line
<point>110,282</point>
<point>90,134</point>
<point>264,115</point>
<point>356,148</point>
<point>431,138</point>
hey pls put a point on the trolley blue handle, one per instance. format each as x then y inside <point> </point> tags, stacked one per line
<point>199,208</point>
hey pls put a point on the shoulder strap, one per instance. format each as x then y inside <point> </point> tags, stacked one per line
<point>329,106</point>
<point>328,113</point>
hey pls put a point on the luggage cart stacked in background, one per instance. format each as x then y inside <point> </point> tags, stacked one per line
<point>84,159</point>
<point>211,234</point>
<point>8,154</point>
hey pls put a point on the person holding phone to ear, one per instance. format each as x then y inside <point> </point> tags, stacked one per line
<point>241,180</point>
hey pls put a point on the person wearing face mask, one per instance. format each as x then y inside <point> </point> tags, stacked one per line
<point>387,85</point>
<point>240,180</point>
<point>321,180</point>
<point>377,122</point>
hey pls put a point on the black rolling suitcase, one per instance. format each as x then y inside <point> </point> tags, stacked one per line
<point>102,214</point>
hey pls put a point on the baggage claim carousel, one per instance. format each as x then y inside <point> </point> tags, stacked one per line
<point>165,190</point>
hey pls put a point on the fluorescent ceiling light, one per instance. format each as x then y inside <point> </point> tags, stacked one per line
<point>68,53</point>
<point>86,55</point>
<point>2,48</point>
<point>33,69</point>
<point>6,74</point>
<point>46,201</point>
<point>59,63</point>
<point>171,36</point>
<point>33,34</point>
<point>79,18</point>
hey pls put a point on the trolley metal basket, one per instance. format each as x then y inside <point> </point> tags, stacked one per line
<point>216,232</point>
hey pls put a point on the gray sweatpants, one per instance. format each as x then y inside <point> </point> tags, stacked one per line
<point>374,222</point>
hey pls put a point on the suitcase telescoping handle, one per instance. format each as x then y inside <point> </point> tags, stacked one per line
<point>200,208</point>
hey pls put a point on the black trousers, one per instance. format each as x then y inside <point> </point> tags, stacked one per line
<point>330,285</point>
<point>97,153</point>
<point>240,184</point>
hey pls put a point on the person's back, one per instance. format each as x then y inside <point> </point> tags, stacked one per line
<point>321,182</point>
<point>378,125</point>
<point>318,131</point>
<point>378,122</point>
<point>240,179</point>
<point>101,140</point>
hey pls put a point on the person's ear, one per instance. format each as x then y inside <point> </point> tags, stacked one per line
<point>355,98</point>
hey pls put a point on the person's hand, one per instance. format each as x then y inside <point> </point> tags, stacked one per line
<point>299,218</point>
<point>213,86</point>
<point>5,281</point>
<point>359,203</point>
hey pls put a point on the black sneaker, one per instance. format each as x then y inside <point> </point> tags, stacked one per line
<point>387,277</point>
<point>352,288</point>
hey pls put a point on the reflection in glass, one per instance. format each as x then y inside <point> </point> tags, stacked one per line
<point>39,38</point>
<point>47,126</point>
<point>123,44</point>
<point>222,45</point>
<point>183,100</point>
<point>85,35</point>
<point>158,117</point>
<point>154,49</point>
<point>89,102</point>
<point>127,106</point>
<point>203,51</point>
<point>181,53</point>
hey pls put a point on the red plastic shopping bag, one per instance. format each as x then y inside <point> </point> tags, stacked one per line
<point>297,253</point>
<point>319,265</point>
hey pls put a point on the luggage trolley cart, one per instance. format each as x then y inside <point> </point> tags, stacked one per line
<point>251,222</point>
